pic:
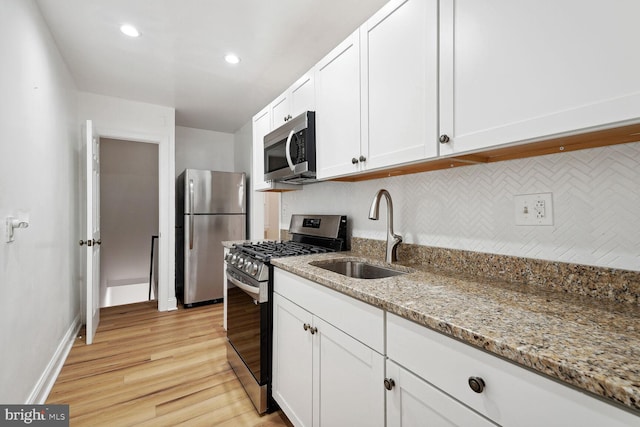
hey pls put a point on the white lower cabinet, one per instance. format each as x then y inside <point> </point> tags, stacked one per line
<point>323,376</point>
<point>509,396</point>
<point>329,370</point>
<point>414,402</point>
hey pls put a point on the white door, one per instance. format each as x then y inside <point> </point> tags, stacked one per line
<point>399,47</point>
<point>293,361</point>
<point>93,230</point>
<point>338,110</point>
<point>348,380</point>
<point>414,402</point>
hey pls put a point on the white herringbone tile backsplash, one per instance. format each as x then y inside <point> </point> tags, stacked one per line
<point>596,204</point>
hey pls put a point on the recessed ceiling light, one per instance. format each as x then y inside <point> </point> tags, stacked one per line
<point>232,58</point>
<point>129,30</point>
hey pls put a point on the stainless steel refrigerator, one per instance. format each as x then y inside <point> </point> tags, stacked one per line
<point>210,208</point>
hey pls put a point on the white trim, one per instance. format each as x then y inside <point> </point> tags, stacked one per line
<point>172,304</point>
<point>45,383</point>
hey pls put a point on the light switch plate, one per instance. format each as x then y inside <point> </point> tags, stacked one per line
<point>534,209</point>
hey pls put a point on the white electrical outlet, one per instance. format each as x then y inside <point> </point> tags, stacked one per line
<point>534,209</point>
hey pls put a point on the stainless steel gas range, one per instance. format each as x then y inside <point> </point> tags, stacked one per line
<point>249,297</point>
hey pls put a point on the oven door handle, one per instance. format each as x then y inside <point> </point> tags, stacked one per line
<point>252,291</point>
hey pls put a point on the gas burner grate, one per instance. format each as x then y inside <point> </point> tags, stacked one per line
<point>264,251</point>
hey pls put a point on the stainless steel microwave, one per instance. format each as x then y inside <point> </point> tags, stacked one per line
<point>290,151</point>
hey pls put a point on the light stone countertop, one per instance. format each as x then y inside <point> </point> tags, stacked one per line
<point>229,243</point>
<point>591,344</point>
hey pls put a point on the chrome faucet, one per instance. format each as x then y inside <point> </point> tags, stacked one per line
<point>393,240</point>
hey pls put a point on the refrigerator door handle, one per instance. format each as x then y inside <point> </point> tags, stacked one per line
<point>191,214</point>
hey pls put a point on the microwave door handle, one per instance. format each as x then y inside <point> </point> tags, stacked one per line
<point>191,214</point>
<point>287,147</point>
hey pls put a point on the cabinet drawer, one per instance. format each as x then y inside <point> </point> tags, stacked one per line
<point>512,396</point>
<point>356,318</point>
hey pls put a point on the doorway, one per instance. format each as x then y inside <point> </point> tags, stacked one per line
<point>129,219</point>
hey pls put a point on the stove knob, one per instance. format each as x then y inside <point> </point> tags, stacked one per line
<point>247,266</point>
<point>227,257</point>
<point>240,262</point>
<point>234,259</point>
<point>254,269</point>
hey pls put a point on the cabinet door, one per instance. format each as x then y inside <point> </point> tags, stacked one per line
<point>303,95</point>
<point>414,402</point>
<point>399,46</point>
<point>261,127</point>
<point>338,110</point>
<point>300,97</point>
<point>280,110</point>
<point>292,361</point>
<point>348,380</point>
<point>518,71</point>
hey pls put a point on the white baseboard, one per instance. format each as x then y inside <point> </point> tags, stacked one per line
<point>172,304</point>
<point>41,390</point>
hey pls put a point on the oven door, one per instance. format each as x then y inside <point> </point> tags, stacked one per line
<point>248,326</point>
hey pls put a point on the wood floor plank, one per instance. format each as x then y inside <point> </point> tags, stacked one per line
<point>150,368</point>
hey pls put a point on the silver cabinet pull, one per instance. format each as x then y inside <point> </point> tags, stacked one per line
<point>389,383</point>
<point>308,327</point>
<point>476,384</point>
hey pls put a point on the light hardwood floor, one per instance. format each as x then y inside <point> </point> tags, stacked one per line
<point>150,368</point>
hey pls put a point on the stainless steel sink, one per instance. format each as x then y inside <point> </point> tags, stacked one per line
<point>358,269</point>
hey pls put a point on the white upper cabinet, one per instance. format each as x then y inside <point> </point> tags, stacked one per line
<point>338,110</point>
<point>300,97</point>
<point>377,92</point>
<point>399,47</point>
<point>525,71</point>
<point>261,127</point>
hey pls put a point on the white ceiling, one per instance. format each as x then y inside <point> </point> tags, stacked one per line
<point>179,59</point>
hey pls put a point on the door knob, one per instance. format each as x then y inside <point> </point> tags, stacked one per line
<point>444,139</point>
<point>362,158</point>
<point>97,242</point>
<point>354,161</point>
<point>83,242</point>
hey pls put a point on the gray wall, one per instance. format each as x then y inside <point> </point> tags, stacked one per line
<point>39,170</point>
<point>203,149</point>
<point>128,211</point>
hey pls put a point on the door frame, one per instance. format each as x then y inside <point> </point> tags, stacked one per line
<point>166,298</point>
